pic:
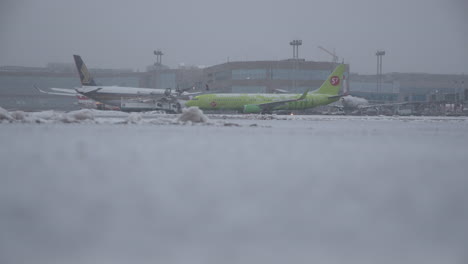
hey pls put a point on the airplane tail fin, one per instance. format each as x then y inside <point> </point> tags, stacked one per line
<point>85,76</point>
<point>333,83</point>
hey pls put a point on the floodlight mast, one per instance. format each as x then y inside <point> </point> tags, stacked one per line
<point>379,54</point>
<point>159,55</point>
<point>295,43</point>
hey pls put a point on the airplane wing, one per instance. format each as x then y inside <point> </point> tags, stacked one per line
<point>337,106</point>
<point>192,94</point>
<point>188,96</point>
<point>338,96</point>
<point>281,91</point>
<point>62,91</point>
<point>379,105</point>
<point>270,106</point>
<point>88,92</point>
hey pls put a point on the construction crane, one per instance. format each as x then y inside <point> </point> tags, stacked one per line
<point>335,58</point>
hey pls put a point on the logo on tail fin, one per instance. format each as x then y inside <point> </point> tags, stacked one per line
<point>335,80</point>
<point>85,77</point>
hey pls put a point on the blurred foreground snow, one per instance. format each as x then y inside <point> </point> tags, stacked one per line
<point>142,188</point>
<point>91,116</point>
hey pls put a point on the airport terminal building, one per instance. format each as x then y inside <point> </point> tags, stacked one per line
<point>410,87</point>
<point>292,75</point>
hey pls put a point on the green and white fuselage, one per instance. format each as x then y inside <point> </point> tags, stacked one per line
<point>263,103</point>
<point>241,102</point>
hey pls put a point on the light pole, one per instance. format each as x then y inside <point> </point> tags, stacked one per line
<point>295,43</point>
<point>158,54</point>
<point>379,54</point>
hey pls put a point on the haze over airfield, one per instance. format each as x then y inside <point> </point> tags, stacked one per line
<point>418,35</point>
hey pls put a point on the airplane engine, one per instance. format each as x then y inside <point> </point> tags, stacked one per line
<point>252,109</point>
<point>353,102</point>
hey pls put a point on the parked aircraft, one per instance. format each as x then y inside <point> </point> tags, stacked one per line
<point>83,101</point>
<point>266,103</point>
<point>113,95</point>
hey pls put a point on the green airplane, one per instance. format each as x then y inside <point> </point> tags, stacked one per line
<point>266,103</point>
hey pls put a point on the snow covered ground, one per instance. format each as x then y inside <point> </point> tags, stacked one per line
<point>110,187</point>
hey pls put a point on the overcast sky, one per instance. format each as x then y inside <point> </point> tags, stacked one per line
<point>417,35</point>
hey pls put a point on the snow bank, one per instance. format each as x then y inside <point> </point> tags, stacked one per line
<point>78,116</point>
<point>5,115</point>
<point>190,116</point>
<point>92,116</point>
<point>134,118</point>
<point>193,114</point>
<point>46,116</point>
<point>18,115</point>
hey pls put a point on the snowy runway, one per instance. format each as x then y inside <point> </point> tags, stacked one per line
<point>147,188</point>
